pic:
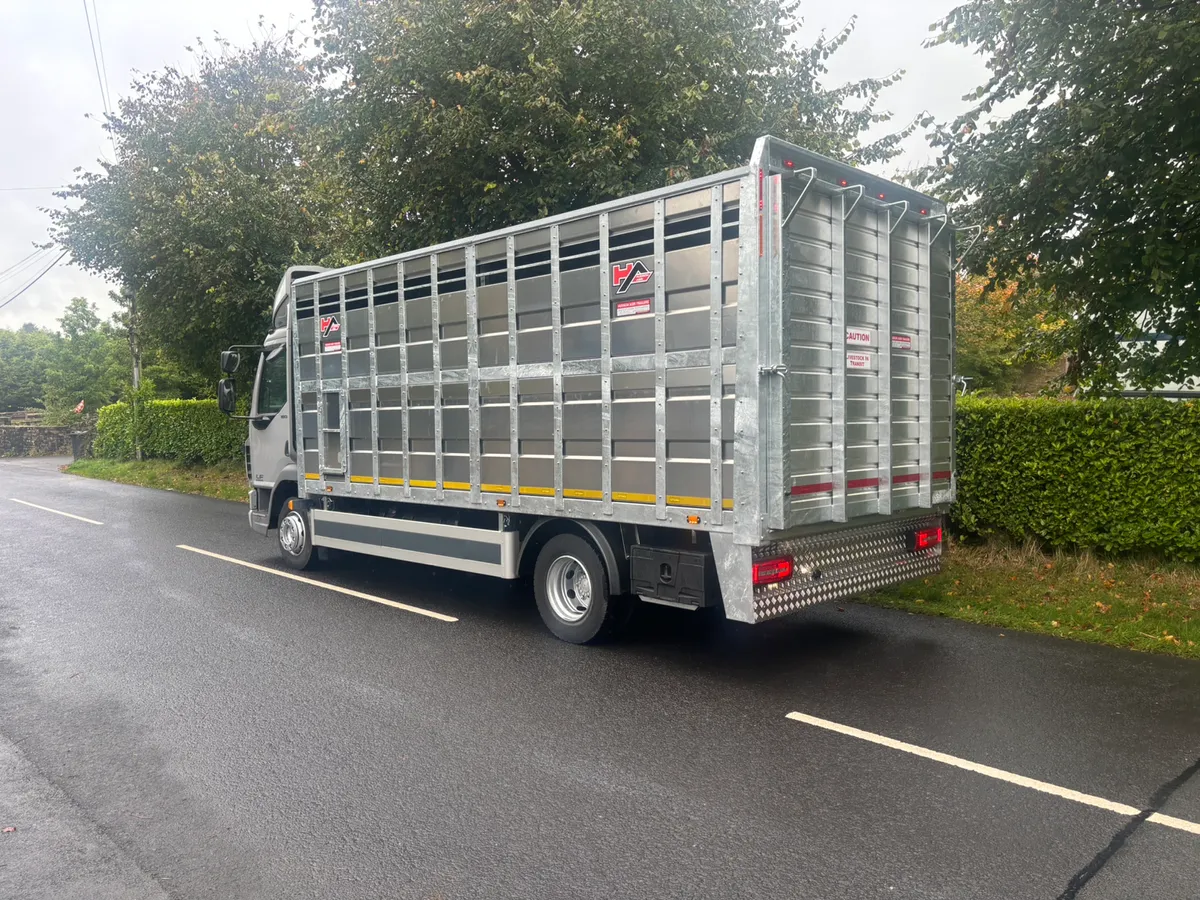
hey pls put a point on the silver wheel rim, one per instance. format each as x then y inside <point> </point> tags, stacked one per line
<point>569,589</point>
<point>291,533</point>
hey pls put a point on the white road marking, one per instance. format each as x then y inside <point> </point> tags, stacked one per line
<point>57,512</point>
<point>441,617</point>
<point>999,774</point>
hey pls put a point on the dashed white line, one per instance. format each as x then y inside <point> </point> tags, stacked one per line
<point>999,774</point>
<point>441,617</point>
<point>57,512</point>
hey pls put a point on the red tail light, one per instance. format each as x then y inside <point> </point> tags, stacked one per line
<point>924,539</point>
<point>770,571</point>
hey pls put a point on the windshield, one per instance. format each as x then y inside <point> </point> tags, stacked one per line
<point>272,382</point>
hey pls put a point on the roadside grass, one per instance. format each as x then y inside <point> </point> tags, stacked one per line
<point>226,481</point>
<point>1137,604</point>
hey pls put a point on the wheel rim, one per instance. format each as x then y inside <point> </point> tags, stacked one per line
<point>569,589</point>
<point>291,533</point>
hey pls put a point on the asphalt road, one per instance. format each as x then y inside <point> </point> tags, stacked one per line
<point>173,725</point>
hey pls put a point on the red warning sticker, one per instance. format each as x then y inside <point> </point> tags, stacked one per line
<point>901,341</point>
<point>632,307</point>
<point>858,360</point>
<point>333,347</point>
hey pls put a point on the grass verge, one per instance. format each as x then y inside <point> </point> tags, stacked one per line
<point>1135,604</point>
<point>225,482</point>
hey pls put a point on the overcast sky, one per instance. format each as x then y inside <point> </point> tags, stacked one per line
<point>48,85</point>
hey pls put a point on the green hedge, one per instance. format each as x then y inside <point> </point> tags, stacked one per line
<point>186,430</point>
<point>1120,476</point>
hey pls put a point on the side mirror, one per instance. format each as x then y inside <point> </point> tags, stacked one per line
<point>230,360</point>
<point>226,395</point>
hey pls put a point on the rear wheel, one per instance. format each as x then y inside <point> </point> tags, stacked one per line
<point>295,539</point>
<point>571,587</point>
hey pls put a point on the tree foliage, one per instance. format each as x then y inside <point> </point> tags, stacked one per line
<point>1007,335</point>
<point>451,117</point>
<point>207,201</point>
<point>1092,184</point>
<point>88,361</point>
<point>24,355</point>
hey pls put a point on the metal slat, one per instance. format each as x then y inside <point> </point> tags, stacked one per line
<point>883,293</point>
<point>343,387</point>
<point>776,386</point>
<point>605,372</point>
<point>717,382</point>
<point>297,414</point>
<point>837,339</point>
<point>513,383</point>
<point>924,367</point>
<point>660,360</point>
<point>556,350</point>
<point>473,414</point>
<point>319,350</point>
<point>374,382</point>
<point>434,311</point>
<point>402,312</point>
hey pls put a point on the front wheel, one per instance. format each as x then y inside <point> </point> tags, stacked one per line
<point>295,539</point>
<point>572,594</point>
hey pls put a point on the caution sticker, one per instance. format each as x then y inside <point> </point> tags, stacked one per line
<point>858,336</point>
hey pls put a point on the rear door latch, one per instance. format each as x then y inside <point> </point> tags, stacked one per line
<point>778,369</point>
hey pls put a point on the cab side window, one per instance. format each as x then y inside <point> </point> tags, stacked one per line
<point>272,383</point>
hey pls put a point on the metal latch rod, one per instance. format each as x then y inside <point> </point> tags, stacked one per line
<point>811,172</point>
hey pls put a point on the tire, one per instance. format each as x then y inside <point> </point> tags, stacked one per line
<point>295,539</point>
<point>571,588</point>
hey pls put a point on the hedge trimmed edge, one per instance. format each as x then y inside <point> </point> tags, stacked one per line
<point>187,430</point>
<point>1120,476</point>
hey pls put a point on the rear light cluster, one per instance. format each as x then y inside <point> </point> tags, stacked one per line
<point>924,539</point>
<point>769,571</point>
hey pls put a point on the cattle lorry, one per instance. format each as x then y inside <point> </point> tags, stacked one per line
<point>734,391</point>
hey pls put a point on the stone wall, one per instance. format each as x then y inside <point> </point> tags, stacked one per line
<point>35,440</point>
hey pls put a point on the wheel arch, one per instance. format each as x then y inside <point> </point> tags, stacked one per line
<point>604,537</point>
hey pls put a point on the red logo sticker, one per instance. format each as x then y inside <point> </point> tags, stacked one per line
<point>329,325</point>
<point>625,276</point>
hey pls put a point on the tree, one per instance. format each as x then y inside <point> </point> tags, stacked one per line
<point>1092,186</point>
<point>1006,336</point>
<point>205,204</point>
<point>450,117</point>
<point>88,361</point>
<point>23,360</point>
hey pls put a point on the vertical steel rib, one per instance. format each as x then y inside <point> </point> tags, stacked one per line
<point>837,362</point>
<point>374,382</point>
<point>402,313</point>
<point>606,409</point>
<point>297,412</point>
<point>434,314</point>
<point>925,367</point>
<point>883,295</point>
<point>513,381</point>
<point>556,362</point>
<point>716,380</point>
<point>473,415</point>
<point>660,360</point>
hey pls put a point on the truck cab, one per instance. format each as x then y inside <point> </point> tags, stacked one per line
<point>270,449</point>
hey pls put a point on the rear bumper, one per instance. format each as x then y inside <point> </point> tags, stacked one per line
<point>832,565</point>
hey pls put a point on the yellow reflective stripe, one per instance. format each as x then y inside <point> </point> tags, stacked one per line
<point>456,485</point>
<point>383,480</point>
<point>426,484</point>
<point>702,502</point>
<point>726,504</point>
<point>362,479</point>
<point>495,488</point>
<point>576,494</point>
<point>311,477</point>
<point>622,497</point>
<point>538,491</point>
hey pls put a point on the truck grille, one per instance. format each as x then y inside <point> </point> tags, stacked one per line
<point>246,455</point>
<point>841,564</point>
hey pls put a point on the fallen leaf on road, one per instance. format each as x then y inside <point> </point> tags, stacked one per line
<point>10,829</point>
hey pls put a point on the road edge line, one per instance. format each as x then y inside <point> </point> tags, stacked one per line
<point>441,617</point>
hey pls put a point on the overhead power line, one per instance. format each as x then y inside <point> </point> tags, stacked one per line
<point>36,279</point>
<point>21,263</point>
<point>45,187</point>
<point>95,58</point>
<point>36,258</point>
<point>103,64</point>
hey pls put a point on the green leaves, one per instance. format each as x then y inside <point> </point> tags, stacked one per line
<point>184,430</point>
<point>1089,184</point>
<point>1115,475</point>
